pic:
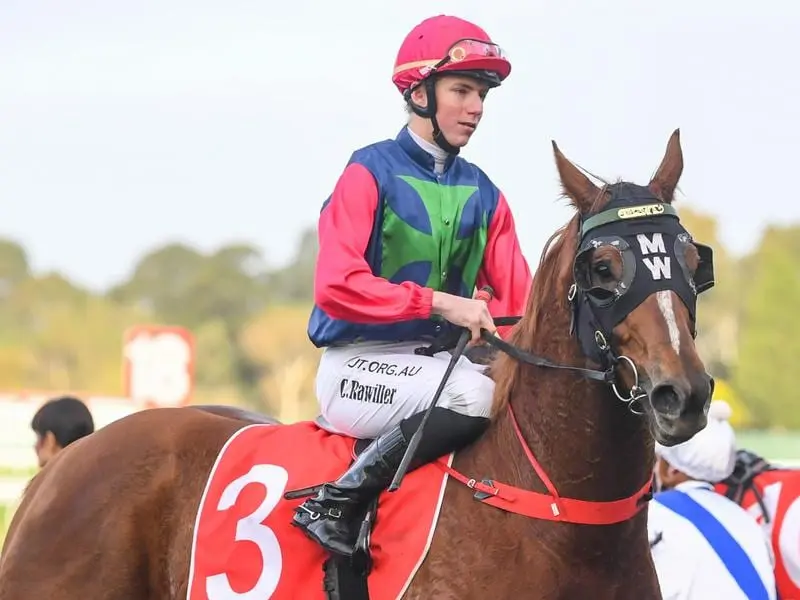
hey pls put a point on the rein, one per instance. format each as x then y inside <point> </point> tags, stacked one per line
<point>607,376</point>
<point>516,353</point>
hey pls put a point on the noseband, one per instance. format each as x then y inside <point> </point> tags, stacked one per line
<point>651,243</point>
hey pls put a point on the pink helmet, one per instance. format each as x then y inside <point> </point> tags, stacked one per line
<point>446,44</point>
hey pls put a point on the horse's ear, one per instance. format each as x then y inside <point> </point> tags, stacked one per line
<point>575,184</point>
<point>668,175</point>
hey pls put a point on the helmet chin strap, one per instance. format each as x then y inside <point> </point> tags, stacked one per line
<point>429,112</point>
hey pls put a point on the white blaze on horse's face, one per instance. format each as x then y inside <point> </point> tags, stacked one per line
<point>665,299</point>
<point>679,388</point>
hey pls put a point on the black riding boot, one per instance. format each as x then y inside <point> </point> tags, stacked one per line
<point>329,518</point>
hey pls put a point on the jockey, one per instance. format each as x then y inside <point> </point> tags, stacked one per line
<point>703,544</point>
<point>410,231</point>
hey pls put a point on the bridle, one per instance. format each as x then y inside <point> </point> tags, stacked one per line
<point>631,212</point>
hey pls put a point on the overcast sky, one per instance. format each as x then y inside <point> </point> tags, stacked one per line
<point>128,124</point>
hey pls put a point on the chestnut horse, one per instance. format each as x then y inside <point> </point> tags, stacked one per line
<point>612,308</point>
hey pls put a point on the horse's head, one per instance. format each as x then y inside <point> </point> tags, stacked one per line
<point>637,273</point>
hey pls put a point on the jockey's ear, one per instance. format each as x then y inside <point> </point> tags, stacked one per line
<point>420,96</point>
<point>583,193</point>
<point>666,179</point>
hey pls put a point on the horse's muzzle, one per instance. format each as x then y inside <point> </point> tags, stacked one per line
<point>680,407</point>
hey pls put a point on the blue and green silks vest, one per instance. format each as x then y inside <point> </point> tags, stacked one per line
<point>430,229</point>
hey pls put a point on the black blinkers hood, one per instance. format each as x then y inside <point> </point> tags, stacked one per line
<point>652,243</point>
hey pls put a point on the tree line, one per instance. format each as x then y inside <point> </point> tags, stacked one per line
<point>249,323</point>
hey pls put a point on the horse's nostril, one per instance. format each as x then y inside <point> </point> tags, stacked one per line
<point>667,399</point>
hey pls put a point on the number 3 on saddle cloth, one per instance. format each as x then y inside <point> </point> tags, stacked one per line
<point>244,547</point>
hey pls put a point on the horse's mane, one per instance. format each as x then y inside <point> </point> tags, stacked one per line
<point>550,271</point>
<point>554,269</point>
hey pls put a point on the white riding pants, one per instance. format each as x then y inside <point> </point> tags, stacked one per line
<point>365,389</point>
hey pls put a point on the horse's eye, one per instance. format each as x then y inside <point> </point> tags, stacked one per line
<point>603,270</point>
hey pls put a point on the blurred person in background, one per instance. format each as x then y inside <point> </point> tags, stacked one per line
<point>57,424</point>
<point>703,544</point>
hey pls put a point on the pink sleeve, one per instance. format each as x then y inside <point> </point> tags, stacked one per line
<point>344,286</point>
<point>505,268</point>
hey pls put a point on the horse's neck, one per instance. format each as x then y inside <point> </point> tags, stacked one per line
<point>586,440</point>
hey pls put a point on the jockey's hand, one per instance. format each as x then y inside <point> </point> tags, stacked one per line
<point>464,312</point>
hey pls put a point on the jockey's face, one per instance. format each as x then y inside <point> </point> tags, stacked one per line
<point>459,104</point>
